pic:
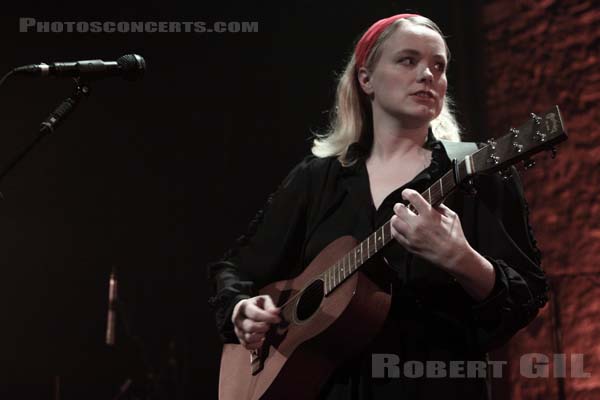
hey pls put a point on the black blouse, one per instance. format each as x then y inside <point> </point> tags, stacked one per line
<point>432,317</point>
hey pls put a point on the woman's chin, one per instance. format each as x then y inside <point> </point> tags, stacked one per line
<point>422,115</point>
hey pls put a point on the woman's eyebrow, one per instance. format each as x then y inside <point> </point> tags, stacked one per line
<point>413,52</point>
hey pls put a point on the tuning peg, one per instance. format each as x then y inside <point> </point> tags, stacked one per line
<point>528,163</point>
<point>540,136</point>
<point>515,132</point>
<point>518,147</point>
<point>492,143</point>
<point>536,119</point>
<point>493,159</point>
<point>553,150</point>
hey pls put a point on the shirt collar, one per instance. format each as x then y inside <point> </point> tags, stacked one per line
<point>359,151</point>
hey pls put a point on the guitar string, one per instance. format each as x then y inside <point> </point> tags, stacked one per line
<point>348,254</point>
<point>435,193</point>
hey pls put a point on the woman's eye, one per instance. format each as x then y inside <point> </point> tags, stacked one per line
<point>440,67</point>
<point>406,61</point>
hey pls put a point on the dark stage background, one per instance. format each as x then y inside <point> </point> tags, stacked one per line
<point>158,178</point>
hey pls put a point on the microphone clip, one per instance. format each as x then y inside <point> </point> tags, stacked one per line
<point>82,89</point>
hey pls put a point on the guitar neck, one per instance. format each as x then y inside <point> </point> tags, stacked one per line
<point>359,255</point>
<point>537,134</point>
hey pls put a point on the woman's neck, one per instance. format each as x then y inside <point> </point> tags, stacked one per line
<point>392,141</point>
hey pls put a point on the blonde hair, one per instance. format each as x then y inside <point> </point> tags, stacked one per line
<point>351,118</point>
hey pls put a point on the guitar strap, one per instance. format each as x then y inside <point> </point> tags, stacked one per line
<point>459,150</point>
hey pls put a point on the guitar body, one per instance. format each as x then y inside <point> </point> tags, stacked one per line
<point>318,333</point>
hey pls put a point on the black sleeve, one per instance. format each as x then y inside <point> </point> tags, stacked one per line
<point>265,254</point>
<point>505,238</point>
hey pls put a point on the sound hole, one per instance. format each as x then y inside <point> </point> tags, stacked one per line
<point>310,300</point>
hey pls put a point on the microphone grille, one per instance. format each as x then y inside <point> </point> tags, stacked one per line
<point>132,66</point>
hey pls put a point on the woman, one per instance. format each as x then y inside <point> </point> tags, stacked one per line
<point>466,276</point>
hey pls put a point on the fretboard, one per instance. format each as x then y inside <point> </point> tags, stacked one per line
<point>536,135</point>
<point>359,255</point>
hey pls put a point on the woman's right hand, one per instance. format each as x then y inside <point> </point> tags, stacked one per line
<point>252,318</point>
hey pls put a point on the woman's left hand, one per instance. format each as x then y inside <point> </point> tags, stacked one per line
<point>435,233</point>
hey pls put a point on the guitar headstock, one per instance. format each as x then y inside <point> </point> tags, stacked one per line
<point>540,133</point>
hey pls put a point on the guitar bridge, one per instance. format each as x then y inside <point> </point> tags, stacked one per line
<point>256,361</point>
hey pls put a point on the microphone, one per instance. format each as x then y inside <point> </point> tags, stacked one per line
<point>129,66</point>
<point>112,305</point>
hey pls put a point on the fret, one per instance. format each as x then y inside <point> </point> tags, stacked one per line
<point>429,195</point>
<point>441,188</point>
<point>383,231</point>
<point>379,242</point>
<point>348,268</point>
<point>449,181</point>
<point>324,277</point>
<point>332,277</point>
<point>339,274</point>
<point>374,248</point>
<point>365,255</point>
<point>362,261</point>
<point>329,278</point>
<point>348,259</point>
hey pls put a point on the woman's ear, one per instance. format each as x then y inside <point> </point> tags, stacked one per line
<point>364,80</point>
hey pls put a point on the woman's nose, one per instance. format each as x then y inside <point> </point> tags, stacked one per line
<point>426,75</point>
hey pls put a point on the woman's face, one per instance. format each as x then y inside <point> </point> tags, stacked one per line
<point>408,80</point>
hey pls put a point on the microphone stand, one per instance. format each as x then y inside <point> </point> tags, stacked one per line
<point>50,124</point>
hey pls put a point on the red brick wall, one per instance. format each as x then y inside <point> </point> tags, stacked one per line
<point>540,53</point>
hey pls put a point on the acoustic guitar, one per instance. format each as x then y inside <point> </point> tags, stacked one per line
<point>332,310</point>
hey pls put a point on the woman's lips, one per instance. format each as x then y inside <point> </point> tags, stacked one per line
<point>424,95</point>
